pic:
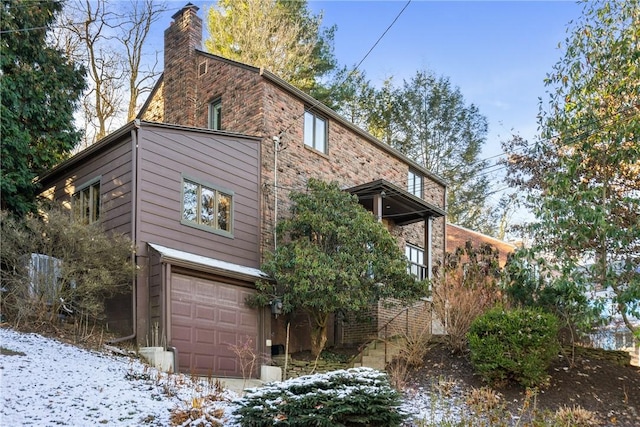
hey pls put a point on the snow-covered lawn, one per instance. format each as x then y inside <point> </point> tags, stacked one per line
<point>46,382</point>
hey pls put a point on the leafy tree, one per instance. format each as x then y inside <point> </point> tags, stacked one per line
<point>582,175</point>
<point>334,257</point>
<point>278,35</point>
<point>39,88</point>
<point>437,129</point>
<point>353,96</point>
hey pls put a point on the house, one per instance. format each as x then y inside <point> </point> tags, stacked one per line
<point>458,236</point>
<point>231,141</point>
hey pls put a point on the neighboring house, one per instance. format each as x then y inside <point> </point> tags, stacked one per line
<point>614,335</point>
<point>235,140</point>
<point>457,237</point>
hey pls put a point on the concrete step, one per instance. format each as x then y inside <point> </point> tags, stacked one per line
<point>373,362</point>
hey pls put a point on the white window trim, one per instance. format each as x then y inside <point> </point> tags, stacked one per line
<point>412,188</point>
<point>314,142</point>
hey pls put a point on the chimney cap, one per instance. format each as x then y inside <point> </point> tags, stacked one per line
<point>187,6</point>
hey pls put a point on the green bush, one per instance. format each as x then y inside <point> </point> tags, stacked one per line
<point>514,345</point>
<point>353,397</point>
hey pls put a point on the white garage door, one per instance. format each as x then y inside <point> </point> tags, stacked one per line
<point>207,317</point>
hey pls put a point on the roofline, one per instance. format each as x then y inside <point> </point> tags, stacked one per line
<point>436,211</point>
<point>126,130</point>
<point>480,234</point>
<point>317,105</point>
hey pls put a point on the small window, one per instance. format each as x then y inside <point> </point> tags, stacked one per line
<point>315,132</point>
<point>215,115</point>
<point>415,256</point>
<point>206,206</point>
<point>414,183</point>
<point>85,203</point>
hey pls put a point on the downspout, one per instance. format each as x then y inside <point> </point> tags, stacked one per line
<point>134,237</point>
<point>276,144</point>
<point>429,231</point>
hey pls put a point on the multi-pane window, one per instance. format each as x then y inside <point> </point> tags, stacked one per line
<point>215,115</point>
<point>207,206</point>
<point>315,131</point>
<point>414,183</point>
<point>85,203</point>
<point>415,255</point>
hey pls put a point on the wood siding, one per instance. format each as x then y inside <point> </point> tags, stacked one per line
<point>113,164</point>
<point>165,155</point>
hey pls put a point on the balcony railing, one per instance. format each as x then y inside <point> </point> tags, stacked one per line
<point>418,270</point>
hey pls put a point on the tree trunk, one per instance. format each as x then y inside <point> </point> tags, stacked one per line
<point>319,323</point>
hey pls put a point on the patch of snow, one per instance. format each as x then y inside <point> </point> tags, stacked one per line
<point>46,382</point>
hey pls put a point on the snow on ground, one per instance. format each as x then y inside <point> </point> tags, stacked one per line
<point>46,382</point>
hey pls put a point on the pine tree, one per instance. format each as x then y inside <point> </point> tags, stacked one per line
<point>40,89</point>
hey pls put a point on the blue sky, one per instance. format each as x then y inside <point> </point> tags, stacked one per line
<point>497,53</point>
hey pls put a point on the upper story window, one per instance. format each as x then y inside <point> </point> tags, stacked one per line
<point>315,131</point>
<point>215,115</point>
<point>85,202</point>
<point>415,183</point>
<point>415,256</point>
<point>207,207</point>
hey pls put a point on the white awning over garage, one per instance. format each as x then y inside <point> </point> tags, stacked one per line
<point>202,263</point>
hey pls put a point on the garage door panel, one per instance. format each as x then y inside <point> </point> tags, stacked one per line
<point>247,321</point>
<point>227,317</point>
<point>206,318</point>
<point>205,291</point>
<point>227,364</point>
<point>205,313</point>
<point>204,336</point>
<point>181,308</point>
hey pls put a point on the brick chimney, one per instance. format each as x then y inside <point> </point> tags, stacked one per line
<point>181,39</point>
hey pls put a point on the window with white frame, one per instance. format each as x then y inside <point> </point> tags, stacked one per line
<point>315,131</point>
<point>85,202</point>
<point>215,115</point>
<point>414,183</point>
<point>415,256</point>
<point>204,205</point>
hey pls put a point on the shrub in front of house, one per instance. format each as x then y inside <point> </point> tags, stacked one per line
<point>353,397</point>
<point>53,267</point>
<point>516,345</point>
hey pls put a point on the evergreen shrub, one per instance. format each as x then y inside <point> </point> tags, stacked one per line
<point>516,345</point>
<point>352,397</point>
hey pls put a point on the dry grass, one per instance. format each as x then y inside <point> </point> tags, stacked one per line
<point>483,399</point>
<point>575,417</point>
